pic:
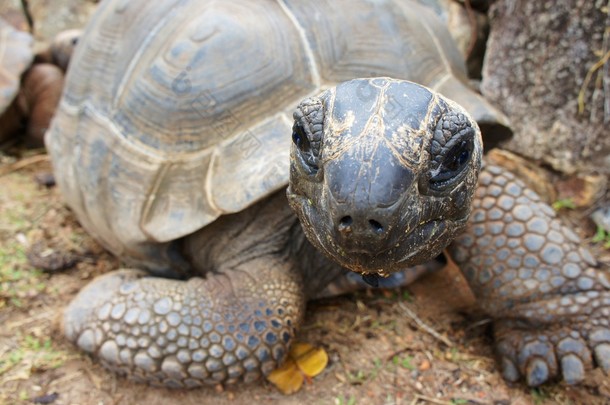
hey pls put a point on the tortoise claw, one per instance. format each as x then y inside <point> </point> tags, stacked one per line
<point>541,357</point>
<point>573,369</point>
<point>509,370</point>
<point>527,355</point>
<point>537,372</point>
<point>575,359</point>
<point>602,356</point>
<point>537,361</point>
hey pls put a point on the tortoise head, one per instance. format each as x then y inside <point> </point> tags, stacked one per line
<point>63,45</point>
<point>382,173</point>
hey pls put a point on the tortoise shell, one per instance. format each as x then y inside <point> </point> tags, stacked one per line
<point>16,56</point>
<point>177,112</point>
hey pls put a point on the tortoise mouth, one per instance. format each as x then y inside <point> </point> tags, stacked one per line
<point>421,243</point>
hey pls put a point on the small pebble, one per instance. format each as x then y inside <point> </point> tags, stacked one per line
<point>46,399</point>
<point>45,179</point>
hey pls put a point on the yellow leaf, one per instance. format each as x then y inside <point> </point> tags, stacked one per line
<point>303,361</point>
<point>310,360</point>
<point>298,349</point>
<point>287,378</point>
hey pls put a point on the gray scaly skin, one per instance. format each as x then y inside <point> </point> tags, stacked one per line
<point>232,324</point>
<point>375,193</point>
<point>550,300</point>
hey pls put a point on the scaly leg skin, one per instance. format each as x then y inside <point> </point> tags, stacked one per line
<point>550,302</point>
<point>226,328</point>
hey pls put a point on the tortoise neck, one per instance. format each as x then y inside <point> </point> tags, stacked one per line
<point>261,230</point>
<point>267,230</point>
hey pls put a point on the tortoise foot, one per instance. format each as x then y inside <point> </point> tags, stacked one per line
<point>182,334</point>
<point>564,353</point>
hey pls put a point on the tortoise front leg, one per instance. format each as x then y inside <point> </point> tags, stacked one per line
<point>230,327</point>
<point>550,303</point>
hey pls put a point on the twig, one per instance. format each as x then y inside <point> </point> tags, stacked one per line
<point>28,15</point>
<point>20,164</point>
<point>425,327</point>
<point>596,66</point>
<point>433,400</point>
<point>479,323</point>
<point>29,320</point>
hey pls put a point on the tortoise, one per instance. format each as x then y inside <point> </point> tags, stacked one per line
<point>15,57</point>
<point>191,133</point>
<point>30,85</point>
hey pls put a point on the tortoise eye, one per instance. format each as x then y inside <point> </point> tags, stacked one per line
<point>307,131</point>
<point>463,158</point>
<point>303,144</point>
<point>452,164</point>
<point>457,157</point>
<point>299,138</point>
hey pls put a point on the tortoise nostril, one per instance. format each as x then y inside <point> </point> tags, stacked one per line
<point>377,227</point>
<point>346,221</point>
<point>345,224</point>
<point>359,227</point>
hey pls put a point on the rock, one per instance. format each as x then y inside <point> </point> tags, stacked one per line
<point>583,191</point>
<point>540,58</point>
<point>50,260</point>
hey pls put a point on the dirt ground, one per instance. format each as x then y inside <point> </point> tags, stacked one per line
<point>385,347</point>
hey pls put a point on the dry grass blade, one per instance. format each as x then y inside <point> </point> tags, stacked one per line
<point>20,164</point>
<point>419,397</point>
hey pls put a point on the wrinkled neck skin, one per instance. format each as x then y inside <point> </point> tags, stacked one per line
<point>266,232</point>
<point>382,173</point>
